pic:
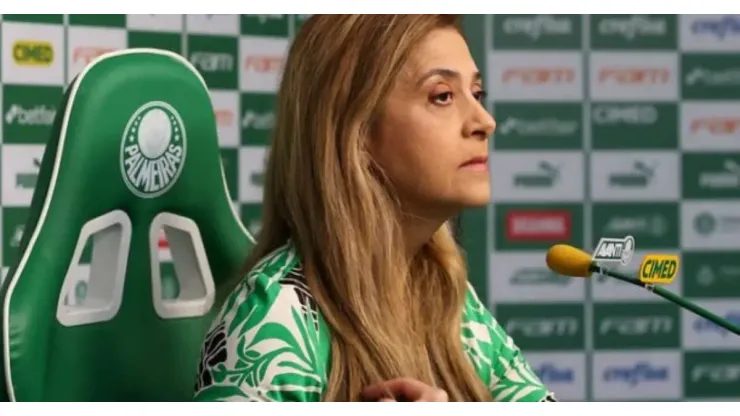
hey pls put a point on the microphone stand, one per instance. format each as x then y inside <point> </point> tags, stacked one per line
<point>672,297</point>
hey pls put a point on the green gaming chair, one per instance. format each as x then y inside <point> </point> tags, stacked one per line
<point>134,151</point>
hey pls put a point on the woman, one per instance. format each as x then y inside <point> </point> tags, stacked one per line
<point>356,289</point>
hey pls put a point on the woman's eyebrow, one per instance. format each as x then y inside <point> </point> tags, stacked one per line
<point>445,72</point>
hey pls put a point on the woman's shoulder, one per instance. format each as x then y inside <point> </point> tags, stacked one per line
<point>269,340</point>
<point>266,284</point>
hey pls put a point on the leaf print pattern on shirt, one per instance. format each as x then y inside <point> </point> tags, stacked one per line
<point>502,365</point>
<point>271,343</point>
<point>271,339</point>
<point>213,356</point>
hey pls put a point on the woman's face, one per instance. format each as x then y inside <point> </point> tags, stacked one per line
<point>432,136</point>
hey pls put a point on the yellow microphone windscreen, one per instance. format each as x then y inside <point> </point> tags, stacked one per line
<point>568,261</point>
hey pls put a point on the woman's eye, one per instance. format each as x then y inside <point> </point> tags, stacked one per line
<point>480,95</point>
<point>443,98</point>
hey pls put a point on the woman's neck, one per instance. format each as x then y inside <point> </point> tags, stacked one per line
<point>418,231</point>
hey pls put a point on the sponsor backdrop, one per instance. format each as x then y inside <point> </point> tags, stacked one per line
<point>607,126</point>
<point>614,125</point>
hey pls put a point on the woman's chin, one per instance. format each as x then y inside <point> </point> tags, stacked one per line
<point>473,199</point>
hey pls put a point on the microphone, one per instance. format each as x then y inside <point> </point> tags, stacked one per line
<point>570,261</point>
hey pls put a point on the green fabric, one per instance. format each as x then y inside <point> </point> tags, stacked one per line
<point>271,343</point>
<point>136,356</point>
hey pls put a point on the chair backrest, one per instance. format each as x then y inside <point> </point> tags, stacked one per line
<point>88,312</point>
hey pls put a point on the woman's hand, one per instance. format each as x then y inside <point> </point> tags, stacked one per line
<point>404,389</point>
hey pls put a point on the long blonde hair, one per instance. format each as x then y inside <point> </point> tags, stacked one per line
<point>390,317</point>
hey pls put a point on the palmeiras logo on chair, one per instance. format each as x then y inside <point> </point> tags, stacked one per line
<point>153,148</point>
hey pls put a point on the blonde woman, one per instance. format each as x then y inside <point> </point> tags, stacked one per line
<point>356,289</point>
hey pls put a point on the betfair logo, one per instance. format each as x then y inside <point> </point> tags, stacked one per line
<point>33,53</point>
<point>658,268</point>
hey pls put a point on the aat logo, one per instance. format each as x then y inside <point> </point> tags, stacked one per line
<point>153,148</point>
<point>33,53</point>
<point>613,250</point>
<point>658,269</point>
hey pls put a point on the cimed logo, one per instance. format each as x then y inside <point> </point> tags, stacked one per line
<point>153,149</point>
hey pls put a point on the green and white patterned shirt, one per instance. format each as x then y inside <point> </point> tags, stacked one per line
<point>271,343</point>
